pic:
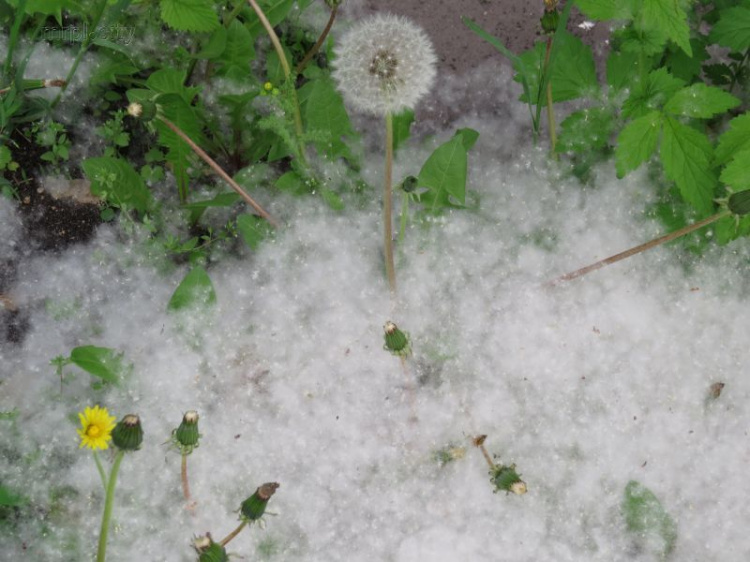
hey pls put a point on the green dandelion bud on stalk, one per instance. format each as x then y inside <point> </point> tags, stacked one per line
<point>739,203</point>
<point>334,3</point>
<point>186,436</point>
<point>128,433</point>
<point>396,341</point>
<point>505,478</point>
<point>254,507</point>
<point>208,550</point>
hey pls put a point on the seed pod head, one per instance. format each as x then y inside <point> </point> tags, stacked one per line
<point>128,433</point>
<point>254,507</point>
<point>396,341</point>
<point>186,436</point>
<point>739,203</point>
<point>409,184</point>
<point>145,110</point>
<point>506,478</point>
<point>208,550</point>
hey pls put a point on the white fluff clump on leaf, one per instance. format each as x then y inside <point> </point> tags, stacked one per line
<point>384,64</point>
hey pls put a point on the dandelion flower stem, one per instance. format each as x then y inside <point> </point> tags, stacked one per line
<point>315,48</point>
<point>388,204</point>
<point>219,170</point>
<point>100,468</point>
<point>479,442</point>
<point>287,74</point>
<point>641,248</point>
<point>108,503</point>
<point>233,534</point>
<point>550,107</point>
<point>184,476</point>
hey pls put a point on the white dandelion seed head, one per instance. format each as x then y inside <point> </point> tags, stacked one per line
<point>384,64</point>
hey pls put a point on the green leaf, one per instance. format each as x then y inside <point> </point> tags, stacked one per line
<point>275,10</point>
<point>5,156</point>
<point>402,128</point>
<point>189,15</point>
<point>646,96</point>
<point>670,17</point>
<point>735,139</point>
<point>687,156</point>
<point>642,42</point>
<point>274,68</point>
<point>737,173</point>
<point>171,81</point>
<point>621,69</point>
<point>733,29</point>
<point>119,181</point>
<point>214,47</point>
<point>444,174</point>
<point>253,230</point>
<point>700,101</point>
<point>9,498</point>
<point>728,229</point>
<point>102,362</point>
<point>586,130</point>
<point>647,520</point>
<point>238,52</point>
<point>637,142</point>
<point>469,137</point>
<point>683,66</point>
<point>197,208</point>
<point>332,199</point>
<point>325,113</point>
<point>195,290</point>
<point>606,9</point>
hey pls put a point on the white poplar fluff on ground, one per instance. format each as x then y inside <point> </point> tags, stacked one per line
<point>585,386</point>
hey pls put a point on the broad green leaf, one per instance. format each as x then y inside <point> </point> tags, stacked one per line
<point>292,182</point>
<point>728,229</point>
<point>687,157</point>
<point>647,519</point>
<point>325,113</point>
<point>652,94</point>
<point>670,17</point>
<point>733,29</point>
<point>622,68</point>
<point>683,66</point>
<point>737,173</point>
<point>607,9</point>
<point>444,174</point>
<point>735,139</point>
<point>642,42</point>
<point>102,362</point>
<point>195,290</point>
<point>189,15</point>
<point>197,208</point>
<point>118,182</point>
<point>700,101</point>
<point>274,68</point>
<point>214,47</point>
<point>586,130</point>
<point>573,73</point>
<point>402,127</point>
<point>253,230</point>
<point>171,81</point>
<point>637,142</point>
<point>9,498</point>
<point>275,10</point>
<point>238,52</point>
<point>468,136</point>
<point>332,199</point>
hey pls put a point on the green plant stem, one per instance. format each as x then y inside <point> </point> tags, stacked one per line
<point>404,218</point>
<point>550,107</point>
<point>13,39</point>
<point>233,534</point>
<point>388,204</point>
<point>82,51</point>
<point>184,478</point>
<point>100,468</point>
<point>219,170</point>
<point>233,14</point>
<point>642,248</point>
<point>101,552</point>
<point>287,74</point>
<point>315,48</point>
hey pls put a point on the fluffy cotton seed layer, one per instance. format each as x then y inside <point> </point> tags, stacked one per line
<point>384,64</point>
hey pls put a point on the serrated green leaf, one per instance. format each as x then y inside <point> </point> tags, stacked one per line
<point>119,181</point>
<point>444,175</point>
<point>686,155</point>
<point>683,66</point>
<point>274,68</point>
<point>189,15</point>
<point>195,290</point>
<point>253,230</point>
<point>275,11</point>
<point>736,139</point>
<point>642,42</point>
<point>621,69</point>
<point>670,17</point>
<point>171,81</point>
<point>325,113</point>
<point>214,47</point>
<point>586,130</point>
<point>700,101</point>
<point>402,127</point>
<point>102,362</point>
<point>606,9</point>
<point>733,29</point>
<point>736,174</point>
<point>652,94</point>
<point>637,142</point>
<point>728,229</point>
<point>238,52</point>
<point>647,519</point>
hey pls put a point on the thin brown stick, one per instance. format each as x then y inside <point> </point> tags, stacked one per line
<point>315,48</point>
<point>184,477</point>
<point>219,170</point>
<point>479,442</point>
<point>233,534</point>
<point>638,249</point>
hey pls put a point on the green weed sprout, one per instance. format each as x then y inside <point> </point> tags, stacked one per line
<point>253,508</point>
<point>384,65</point>
<point>505,478</point>
<point>185,438</point>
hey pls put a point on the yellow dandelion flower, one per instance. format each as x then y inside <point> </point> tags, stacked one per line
<point>96,428</point>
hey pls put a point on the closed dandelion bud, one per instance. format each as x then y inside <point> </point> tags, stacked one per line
<point>253,507</point>
<point>334,3</point>
<point>187,434</point>
<point>409,184</point>
<point>739,203</point>
<point>507,479</point>
<point>549,22</point>
<point>128,433</point>
<point>209,551</point>
<point>396,341</point>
